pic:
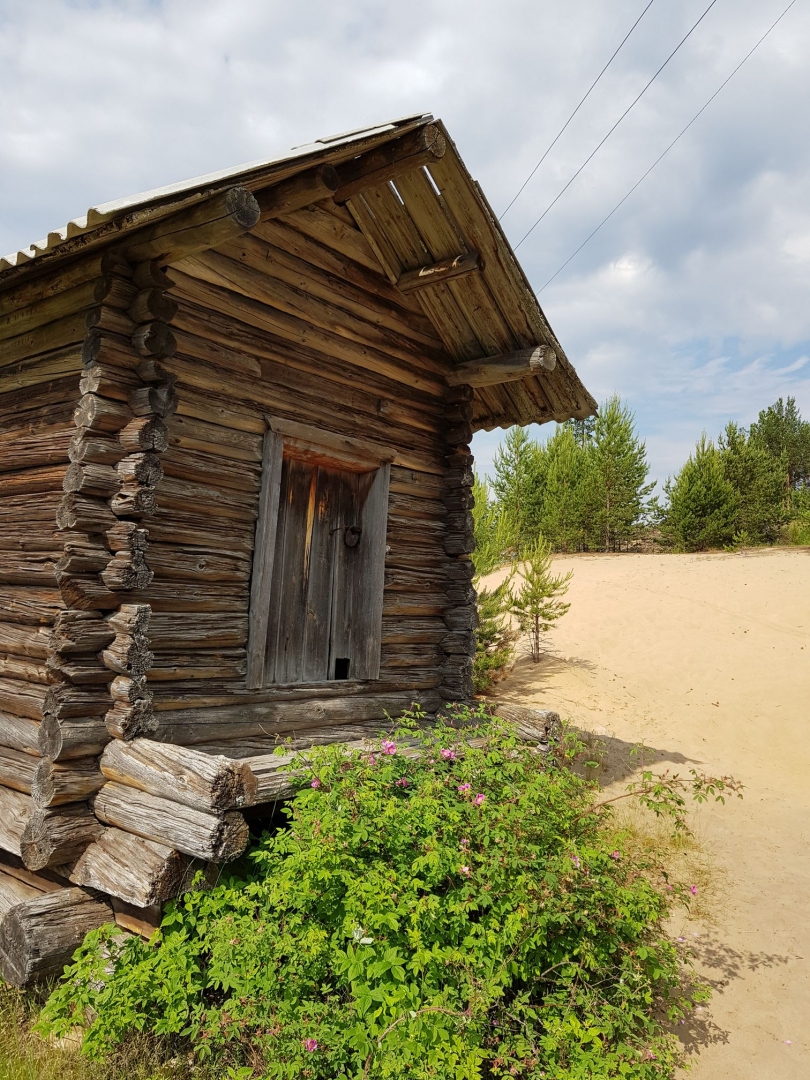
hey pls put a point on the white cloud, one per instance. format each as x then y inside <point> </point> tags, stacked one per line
<point>691,302</point>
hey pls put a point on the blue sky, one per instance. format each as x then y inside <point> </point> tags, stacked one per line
<point>692,302</point>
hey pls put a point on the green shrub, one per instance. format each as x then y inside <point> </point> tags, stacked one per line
<point>438,908</point>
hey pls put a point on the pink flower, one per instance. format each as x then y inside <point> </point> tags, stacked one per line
<point>465,870</point>
<point>693,890</point>
<point>463,787</point>
<point>311,1045</point>
<point>615,855</point>
<point>389,747</point>
<point>464,843</point>
<point>315,783</point>
<point>402,782</point>
<point>575,861</point>
<point>448,755</point>
<point>669,888</point>
<point>479,799</point>
<point>372,760</point>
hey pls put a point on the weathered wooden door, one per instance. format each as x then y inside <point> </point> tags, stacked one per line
<point>327,574</point>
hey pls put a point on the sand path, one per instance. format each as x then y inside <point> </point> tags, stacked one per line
<point>706,658</point>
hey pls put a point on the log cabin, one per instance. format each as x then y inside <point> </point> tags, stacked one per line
<point>235,495</point>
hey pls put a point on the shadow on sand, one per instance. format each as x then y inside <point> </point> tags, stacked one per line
<point>719,964</point>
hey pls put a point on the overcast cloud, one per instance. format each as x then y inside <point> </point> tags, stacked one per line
<point>692,302</point>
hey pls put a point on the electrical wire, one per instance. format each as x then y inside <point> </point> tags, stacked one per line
<point>599,145</point>
<point>677,138</point>
<point>576,110</point>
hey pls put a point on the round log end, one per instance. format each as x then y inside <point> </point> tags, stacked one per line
<point>433,140</point>
<point>329,177</point>
<point>36,847</point>
<point>242,208</point>
<point>233,837</point>
<point>50,738</point>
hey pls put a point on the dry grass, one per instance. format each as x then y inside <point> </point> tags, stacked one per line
<point>687,856</point>
<point>25,1056</point>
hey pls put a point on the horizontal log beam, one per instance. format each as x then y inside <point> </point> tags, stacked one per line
<point>204,225</point>
<point>179,773</point>
<point>508,367</point>
<point>421,147</point>
<point>213,837</point>
<point>58,835</point>
<point>439,272</point>
<point>38,937</point>
<point>299,191</point>
<point>138,871</point>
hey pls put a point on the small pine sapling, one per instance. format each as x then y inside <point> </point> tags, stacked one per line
<point>494,637</point>
<point>536,603</point>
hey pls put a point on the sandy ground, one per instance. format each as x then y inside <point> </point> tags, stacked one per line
<point>706,659</point>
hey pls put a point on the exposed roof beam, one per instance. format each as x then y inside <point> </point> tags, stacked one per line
<point>439,272</point>
<point>508,367</point>
<point>298,191</point>
<point>417,148</point>
<point>204,225</point>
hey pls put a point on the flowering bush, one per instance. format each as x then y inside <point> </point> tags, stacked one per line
<point>456,911</point>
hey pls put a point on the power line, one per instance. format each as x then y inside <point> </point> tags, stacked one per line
<point>677,138</point>
<point>626,111</point>
<point>576,110</point>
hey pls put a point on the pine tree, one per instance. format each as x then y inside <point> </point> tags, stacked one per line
<point>615,477</point>
<point>758,479</point>
<point>781,431</point>
<point>494,637</point>
<point>703,504</point>
<point>536,603</point>
<point>518,484</point>
<point>582,430</point>
<point>560,517</point>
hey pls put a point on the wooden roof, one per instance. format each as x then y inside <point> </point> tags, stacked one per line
<point>420,217</point>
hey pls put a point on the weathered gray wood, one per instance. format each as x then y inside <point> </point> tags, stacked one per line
<point>424,146</point>
<point>533,725</point>
<point>13,892</point>
<point>19,733</point>
<point>54,783</point>
<point>17,769</point>
<point>79,737</point>
<point>265,546</point>
<point>58,835</point>
<point>204,225</point>
<point>305,188</point>
<point>233,722</point>
<point>127,720</point>
<point>178,773</point>
<point>214,837</point>
<point>39,936</point>
<point>15,810</point>
<point>139,871</point>
<point>508,367</point>
<point>77,632</point>
<point>369,576</point>
<point>438,272</point>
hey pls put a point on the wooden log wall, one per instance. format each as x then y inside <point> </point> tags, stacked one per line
<point>295,320</point>
<point>43,806</point>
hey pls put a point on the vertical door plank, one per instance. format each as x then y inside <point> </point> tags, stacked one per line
<point>340,644</point>
<point>315,646</point>
<point>263,556</point>
<point>289,600</point>
<point>368,579</point>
